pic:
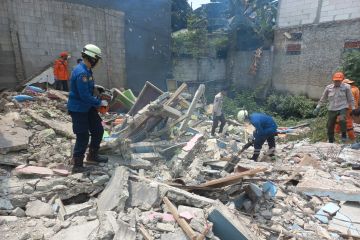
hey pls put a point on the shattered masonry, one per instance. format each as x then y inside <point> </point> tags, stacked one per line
<point>165,178</point>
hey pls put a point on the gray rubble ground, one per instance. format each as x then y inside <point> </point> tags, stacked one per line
<point>313,181</point>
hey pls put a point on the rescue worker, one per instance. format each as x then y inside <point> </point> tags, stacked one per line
<point>340,99</point>
<point>82,106</point>
<point>217,114</point>
<point>265,130</point>
<point>61,72</point>
<point>349,121</point>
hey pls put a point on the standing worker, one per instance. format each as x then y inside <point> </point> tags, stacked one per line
<point>82,106</point>
<point>349,121</point>
<point>340,99</point>
<point>265,131</point>
<point>218,114</point>
<point>61,72</point>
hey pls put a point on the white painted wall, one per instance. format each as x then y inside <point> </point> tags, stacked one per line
<point>300,12</point>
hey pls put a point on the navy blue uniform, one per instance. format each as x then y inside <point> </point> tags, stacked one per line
<point>265,130</point>
<point>82,108</point>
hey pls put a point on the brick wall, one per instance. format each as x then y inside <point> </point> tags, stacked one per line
<point>47,27</point>
<point>322,45</point>
<point>300,12</point>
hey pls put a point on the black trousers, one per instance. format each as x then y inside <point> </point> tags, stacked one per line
<point>216,120</point>
<point>62,85</point>
<point>86,124</point>
<point>259,142</point>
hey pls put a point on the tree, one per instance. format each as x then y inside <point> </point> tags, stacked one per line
<point>180,10</point>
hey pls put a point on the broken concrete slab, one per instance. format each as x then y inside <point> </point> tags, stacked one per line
<point>61,128</point>
<point>349,155</point>
<point>228,226</point>
<point>12,159</point>
<point>143,195</point>
<point>77,209</point>
<point>347,220</point>
<point>197,213</point>
<point>147,156</point>
<point>178,235</point>
<point>124,231</point>
<point>147,147</point>
<point>13,139</point>
<point>39,209</point>
<point>78,232</point>
<point>33,170</point>
<point>5,204</point>
<point>337,190</point>
<point>192,143</point>
<point>116,192</point>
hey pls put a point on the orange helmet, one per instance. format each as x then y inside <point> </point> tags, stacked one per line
<point>338,76</point>
<point>348,81</point>
<point>64,54</point>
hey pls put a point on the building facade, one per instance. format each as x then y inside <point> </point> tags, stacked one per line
<point>310,40</point>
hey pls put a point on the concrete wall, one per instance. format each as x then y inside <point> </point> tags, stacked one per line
<point>199,70</point>
<point>300,12</point>
<point>217,73</point>
<point>322,47</point>
<point>44,28</point>
<point>242,62</point>
<point>147,39</point>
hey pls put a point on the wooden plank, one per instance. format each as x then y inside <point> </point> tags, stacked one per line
<point>171,112</point>
<point>182,222</point>
<point>199,92</point>
<point>231,179</point>
<point>176,94</point>
<point>145,233</point>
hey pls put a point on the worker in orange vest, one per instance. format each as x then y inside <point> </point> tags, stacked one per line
<point>349,121</point>
<point>61,72</point>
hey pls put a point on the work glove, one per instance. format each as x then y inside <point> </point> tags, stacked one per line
<point>104,103</point>
<point>316,111</point>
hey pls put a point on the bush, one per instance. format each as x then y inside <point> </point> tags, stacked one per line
<point>288,106</point>
<point>351,66</point>
<point>280,106</point>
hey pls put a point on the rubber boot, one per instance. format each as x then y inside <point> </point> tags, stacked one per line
<point>78,165</point>
<point>93,157</point>
<point>255,157</point>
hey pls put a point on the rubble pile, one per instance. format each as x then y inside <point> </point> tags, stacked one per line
<point>167,178</point>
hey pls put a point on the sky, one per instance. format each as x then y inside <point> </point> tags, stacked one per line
<point>197,3</point>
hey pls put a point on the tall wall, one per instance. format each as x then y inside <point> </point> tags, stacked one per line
<point>147,39</point>
<point>242,62</point>
<point>215,72</point>
<point>44,28</point>
<point>310,41</point>
<point>300,12</point>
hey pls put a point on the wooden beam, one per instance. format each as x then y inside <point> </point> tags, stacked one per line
<point>182,222</point>
<point>231,179</point>
<point>145,233</point>
<point>176,94</point>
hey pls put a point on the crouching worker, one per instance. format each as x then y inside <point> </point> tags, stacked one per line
<point>82,106</point>
<point>265,130</point>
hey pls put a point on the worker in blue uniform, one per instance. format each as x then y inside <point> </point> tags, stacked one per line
<point>82,106</point>
<point>265,130</point>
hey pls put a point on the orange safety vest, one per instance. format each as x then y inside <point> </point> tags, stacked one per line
<point>356,93</point>
<point>61,70</point>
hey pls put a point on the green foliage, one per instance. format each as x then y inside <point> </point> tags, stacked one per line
<point>351,66</point>
<point>282,106</point>
<point>180,10</point>
<point>289,106</point>
<point>193,41</point>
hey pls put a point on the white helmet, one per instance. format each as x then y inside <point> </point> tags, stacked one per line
<point>242,115</point>
<point>92,51</point>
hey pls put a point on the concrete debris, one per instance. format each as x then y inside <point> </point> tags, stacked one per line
<point>37,209</point>
<point>116,192</point>
<point>166,178</point>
